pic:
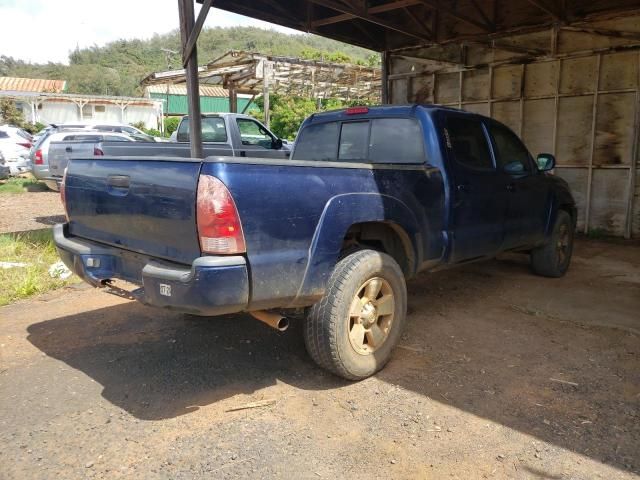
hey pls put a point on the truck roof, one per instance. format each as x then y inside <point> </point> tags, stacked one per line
<point>376,111</point>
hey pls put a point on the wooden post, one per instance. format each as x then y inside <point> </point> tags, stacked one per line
<point>187,22</point>
<point>265,92</point>
<point>233,97</point>
<point>385,78</point>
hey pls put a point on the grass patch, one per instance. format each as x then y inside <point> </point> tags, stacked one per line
<point>38,251</point>
<point>22,185</point>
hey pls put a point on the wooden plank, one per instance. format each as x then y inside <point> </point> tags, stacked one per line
<point>619,71</point>
<point>608,204</point>
<point>541,79</point>
<point>508,113</point>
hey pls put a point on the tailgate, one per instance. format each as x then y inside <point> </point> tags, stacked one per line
<point>60,152</point>
<point>142,205</point>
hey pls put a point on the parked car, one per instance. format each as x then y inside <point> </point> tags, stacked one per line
<point>81,143</point>
<point>136,133</point>
<point>15,150</point>
<point>370,197</point>
<point>232,134</point>
<point>5,171</point>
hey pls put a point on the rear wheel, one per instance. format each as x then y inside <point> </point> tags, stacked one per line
<point>352,330</point>
<point>553,258</point>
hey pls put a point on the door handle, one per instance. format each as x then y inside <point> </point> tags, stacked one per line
<point>68,149</point>
<point>118,181</point>
<point>243,153</point>
<point>511,187</point>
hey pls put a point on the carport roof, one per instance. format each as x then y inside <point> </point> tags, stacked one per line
<point>396,24</point>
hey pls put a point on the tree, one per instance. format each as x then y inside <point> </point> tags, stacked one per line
<point>171,125</point>
<point>10,114</point>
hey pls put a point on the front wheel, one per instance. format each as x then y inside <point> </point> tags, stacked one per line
<point>352,330</point>
<point>553,258</point>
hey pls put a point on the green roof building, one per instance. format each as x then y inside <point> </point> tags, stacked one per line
<point>212,99</point>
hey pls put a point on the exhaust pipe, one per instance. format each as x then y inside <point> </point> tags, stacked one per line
<point>274,320</point>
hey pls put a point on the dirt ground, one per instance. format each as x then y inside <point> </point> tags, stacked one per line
<point>29,211</point>
<point>500,374</point>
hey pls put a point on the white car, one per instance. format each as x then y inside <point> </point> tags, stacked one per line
<point>15,150</point>
<point>5,171</point>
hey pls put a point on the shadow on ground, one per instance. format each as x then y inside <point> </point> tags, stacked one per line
<point>469,344</point>
<point>50,219</point>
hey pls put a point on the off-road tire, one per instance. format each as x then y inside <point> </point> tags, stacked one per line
<point>326,326</point>
<point>553,258</point>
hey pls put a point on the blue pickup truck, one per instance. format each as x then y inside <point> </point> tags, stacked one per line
<point>370,197</point>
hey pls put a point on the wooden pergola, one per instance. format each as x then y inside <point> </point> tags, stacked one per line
<point>255,73</point>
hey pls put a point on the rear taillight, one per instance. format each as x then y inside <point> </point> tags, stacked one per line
<point>219,228</point>
<point>38,157</point>
<point>25,144</point>
<point>62,193</point>
<point>97,151</point>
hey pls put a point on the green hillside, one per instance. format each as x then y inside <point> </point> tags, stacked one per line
<point>118,67</point>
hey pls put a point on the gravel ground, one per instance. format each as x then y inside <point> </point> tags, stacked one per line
<point>500,374</point>
<point>29,211</point>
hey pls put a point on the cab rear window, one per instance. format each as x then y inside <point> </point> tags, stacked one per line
<point>379,140</point>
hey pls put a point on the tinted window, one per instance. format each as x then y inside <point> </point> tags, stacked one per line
<point>213,130</point>
<point>396,140</point>
<point>465,138</point>
<point>107,128</point>
<point>354,141</point>
<point>252,133</point>
<point>114,138</point>
<point>317,142</point>
<point>82,138</point>
<point>509,150</point>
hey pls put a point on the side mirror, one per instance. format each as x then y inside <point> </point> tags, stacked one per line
<point>545,162</point>
<point>277,144</point>
<point>514,168</point>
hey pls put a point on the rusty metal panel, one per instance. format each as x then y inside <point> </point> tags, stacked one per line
<point>635,216</point>
<point>578,75</point>
<point>447,87</point>
<point>508,113</point>
<point>619,71</point>
<point>482,108</point>
<point>609,200</point>
<point>507,81</point>
<point>540,79</point>
<point>574,130</point>
<point>475,85</point>
<point>614,129</point>
<point>537,131</point>
<point>577,179</point>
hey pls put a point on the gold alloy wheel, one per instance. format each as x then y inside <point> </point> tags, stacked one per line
<point>562,247</point>
<point>371,315</point>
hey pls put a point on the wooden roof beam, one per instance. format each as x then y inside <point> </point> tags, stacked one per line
<point>385,7</point>
<point>440,7</point>
<point>558,16</point>
<point>367,16</point>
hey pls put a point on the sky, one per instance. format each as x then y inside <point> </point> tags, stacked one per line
<point>43,31</point>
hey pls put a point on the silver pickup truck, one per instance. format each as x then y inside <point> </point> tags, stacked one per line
<point>223,134</point>
<point>67,145</point>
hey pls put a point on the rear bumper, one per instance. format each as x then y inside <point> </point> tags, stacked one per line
<point>210,286</point>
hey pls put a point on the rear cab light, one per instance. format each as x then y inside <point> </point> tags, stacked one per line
<point>218,222</point>
<point>356,110</point>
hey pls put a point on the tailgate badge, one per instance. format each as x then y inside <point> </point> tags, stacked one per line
<point>165,290</point>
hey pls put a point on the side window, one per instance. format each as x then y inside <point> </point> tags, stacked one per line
<point>213,130</point>
<point>511,154</point>
<point>114,138</point>
<point>396,140</point>
<point>252,133</point>
<point>465,138</point>
<point>354,140</point>
<point>317,142</point>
